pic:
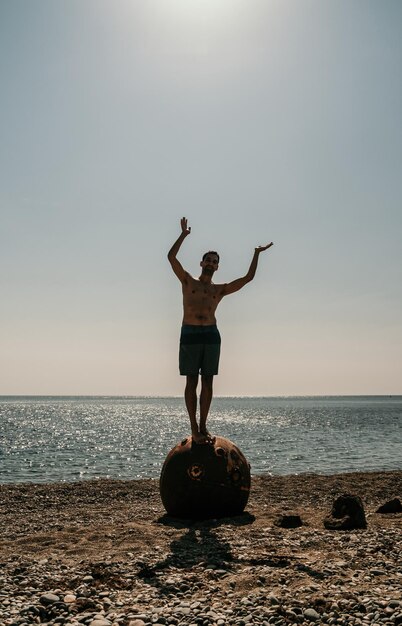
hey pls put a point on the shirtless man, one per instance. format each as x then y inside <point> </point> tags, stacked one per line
<point>200,340</point>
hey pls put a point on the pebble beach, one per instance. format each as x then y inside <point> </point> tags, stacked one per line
<point>103,553</point>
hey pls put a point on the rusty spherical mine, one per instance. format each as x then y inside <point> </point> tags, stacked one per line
<point>202,481</point>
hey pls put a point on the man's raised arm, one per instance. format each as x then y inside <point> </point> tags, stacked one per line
<point>176,265</point>
<point>237,284</point>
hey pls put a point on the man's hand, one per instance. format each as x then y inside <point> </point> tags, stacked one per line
<point>262,248</point>
<point>176,265</point>
<point>184,228</point>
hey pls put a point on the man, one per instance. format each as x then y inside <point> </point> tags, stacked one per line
<point>200,340</point>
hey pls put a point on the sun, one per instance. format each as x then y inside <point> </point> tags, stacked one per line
<point>196,15</point>
<point>194,26</point>
<point>190,10</point>
<point>197,41</point>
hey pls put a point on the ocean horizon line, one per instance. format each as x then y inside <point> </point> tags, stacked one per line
<point>216,397</point>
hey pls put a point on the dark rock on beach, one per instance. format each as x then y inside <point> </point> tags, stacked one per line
<point>289,521</point>
<point>392,506</point>
<point>347,514</point>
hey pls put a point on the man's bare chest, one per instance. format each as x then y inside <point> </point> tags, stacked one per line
<point>196,291</point>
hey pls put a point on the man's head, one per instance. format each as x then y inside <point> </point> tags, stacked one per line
<point>210,262</point>
<point>209,253</point>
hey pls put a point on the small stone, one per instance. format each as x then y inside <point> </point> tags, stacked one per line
<point>389,610</point>
<point>195,605</point>
<point>297,610</point>
<point>394,604</point>
<point>69,598</point>
<point>49,598</point>
<point>311,615</point>
<point>273,599</point>
<point>183,610</point>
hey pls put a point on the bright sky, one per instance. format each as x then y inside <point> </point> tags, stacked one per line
<point>259,120</point>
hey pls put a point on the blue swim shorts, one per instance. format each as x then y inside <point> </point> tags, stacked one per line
<point>200,348</point>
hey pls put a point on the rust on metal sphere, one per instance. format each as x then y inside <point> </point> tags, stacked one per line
<point>201,481</point>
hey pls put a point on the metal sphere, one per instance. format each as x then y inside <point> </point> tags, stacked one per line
<point>201,481</point>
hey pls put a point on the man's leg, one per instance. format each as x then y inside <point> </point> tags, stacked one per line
<point>205,402</point>
<point>190,396</point>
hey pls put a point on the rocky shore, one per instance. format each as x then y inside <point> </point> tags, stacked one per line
<point>103,552</point>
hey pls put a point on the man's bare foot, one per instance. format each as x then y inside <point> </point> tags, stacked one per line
<point>210,438</point>
<point>199,438</point>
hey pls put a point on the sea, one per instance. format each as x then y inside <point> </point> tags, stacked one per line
<point>67,439</point>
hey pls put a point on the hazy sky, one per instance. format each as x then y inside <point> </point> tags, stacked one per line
<point>259,120</point>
